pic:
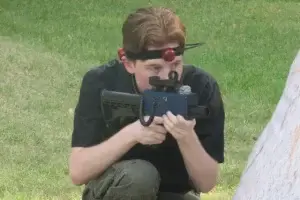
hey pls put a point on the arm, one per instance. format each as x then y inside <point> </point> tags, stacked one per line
<point>91,152</point>
<point>204,148</point>
<point>88,163</point>
<point>203,176</point>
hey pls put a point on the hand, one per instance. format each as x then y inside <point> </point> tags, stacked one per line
<point>153,134</point>
<point>178,127</point>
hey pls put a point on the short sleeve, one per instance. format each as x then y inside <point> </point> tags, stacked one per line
<point>211,131</point>
<point>88,125</point>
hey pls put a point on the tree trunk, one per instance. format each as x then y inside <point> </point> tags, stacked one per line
<point>273,168</point>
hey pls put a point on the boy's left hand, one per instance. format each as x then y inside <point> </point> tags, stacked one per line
<point>179,127</point>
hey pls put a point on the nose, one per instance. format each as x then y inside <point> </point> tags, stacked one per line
<point>165,74</point>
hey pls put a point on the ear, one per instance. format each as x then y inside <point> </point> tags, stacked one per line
<point>129,65</point>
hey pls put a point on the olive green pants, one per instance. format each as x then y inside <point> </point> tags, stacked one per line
<point>130,180</point>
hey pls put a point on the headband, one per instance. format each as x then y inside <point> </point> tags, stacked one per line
<point>167,54</point>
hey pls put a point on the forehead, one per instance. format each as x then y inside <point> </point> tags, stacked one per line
<point>162,62</point>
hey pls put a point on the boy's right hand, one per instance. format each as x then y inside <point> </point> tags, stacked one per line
<point>153,134</point>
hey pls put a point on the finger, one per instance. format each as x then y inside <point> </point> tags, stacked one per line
<point>158,128</point>
<point>185,122</point>
<point>158,137</point>
<point>168,123</point>
<point>171,117</point>
<point>158,120</point>
<point>172,131</point>
<point>194,121</point>
<point>168,126</point>
<point>181,119</point>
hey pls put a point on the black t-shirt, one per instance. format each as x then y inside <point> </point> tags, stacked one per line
<point>90,127</point>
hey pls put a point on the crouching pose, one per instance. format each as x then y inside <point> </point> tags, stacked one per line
<point>119,161</point>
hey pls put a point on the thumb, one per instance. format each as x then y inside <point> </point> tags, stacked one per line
<point>158,120</point>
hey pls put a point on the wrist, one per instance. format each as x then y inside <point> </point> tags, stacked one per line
<point>189,139</point>
<point>127,136</point>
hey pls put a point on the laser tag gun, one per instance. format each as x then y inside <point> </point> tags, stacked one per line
<point>166,95</point>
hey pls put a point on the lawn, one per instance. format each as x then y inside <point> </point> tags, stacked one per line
<point>46,46</point>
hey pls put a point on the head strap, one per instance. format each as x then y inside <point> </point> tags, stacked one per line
<point>167,54</point>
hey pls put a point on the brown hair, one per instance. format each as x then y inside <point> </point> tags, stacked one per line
<point>152,26</point>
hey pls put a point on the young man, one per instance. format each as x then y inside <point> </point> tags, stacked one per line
<point>118,161</point>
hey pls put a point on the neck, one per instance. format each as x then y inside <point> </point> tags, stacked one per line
<point>134,85</point>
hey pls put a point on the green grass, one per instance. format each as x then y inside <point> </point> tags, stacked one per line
<point>47,46</point>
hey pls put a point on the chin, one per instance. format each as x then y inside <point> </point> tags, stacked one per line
<point>148,88</point>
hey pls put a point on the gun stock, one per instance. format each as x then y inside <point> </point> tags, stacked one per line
<point>120,104</point>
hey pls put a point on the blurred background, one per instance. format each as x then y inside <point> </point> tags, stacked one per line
<point>46,46</point>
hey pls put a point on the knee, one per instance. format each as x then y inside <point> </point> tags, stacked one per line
<point>141,176</point>
<point>134,179</point>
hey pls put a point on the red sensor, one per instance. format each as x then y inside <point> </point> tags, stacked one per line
<point>121,53</point>
<point>168,55</point>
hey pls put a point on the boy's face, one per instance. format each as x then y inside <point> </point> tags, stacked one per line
<point>154,67</point>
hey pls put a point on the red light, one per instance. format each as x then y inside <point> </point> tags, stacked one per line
<point>121,53</point>
<point>168,55</point>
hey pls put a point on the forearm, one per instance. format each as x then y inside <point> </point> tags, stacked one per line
<point>91,162</point>
<point>202,169</point>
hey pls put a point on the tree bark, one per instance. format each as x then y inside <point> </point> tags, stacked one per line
<point>273,168</point>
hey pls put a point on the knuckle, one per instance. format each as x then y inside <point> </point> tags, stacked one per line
<point>161,130</point>
<point>171,126</point>
<point>160,136</point>
<point>157,119</point>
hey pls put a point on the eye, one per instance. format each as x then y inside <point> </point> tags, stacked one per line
<point>177,64</point>
<point>157,68</point>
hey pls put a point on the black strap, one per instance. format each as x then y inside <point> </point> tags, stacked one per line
<point>117,70</point>
<point>187,75</point>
